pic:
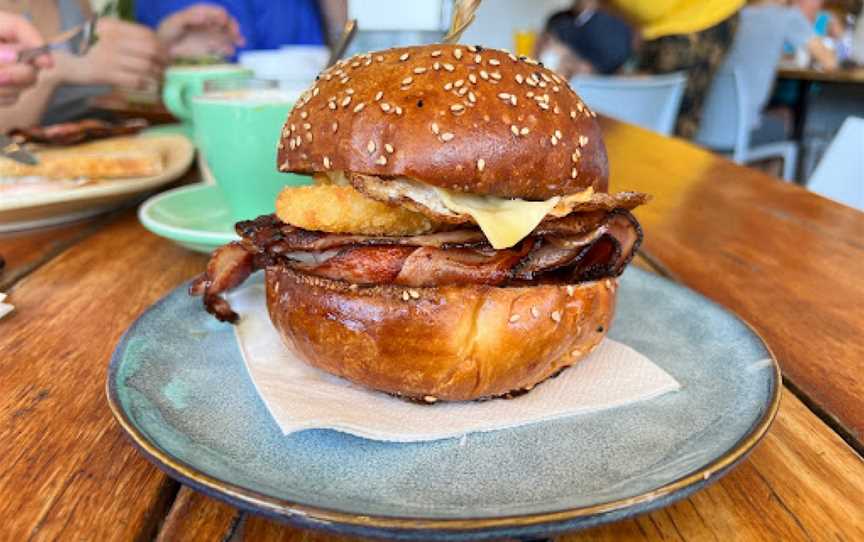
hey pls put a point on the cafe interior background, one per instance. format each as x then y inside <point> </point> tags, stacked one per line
<point>816,112</point>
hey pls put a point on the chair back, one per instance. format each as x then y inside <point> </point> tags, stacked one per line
<point>724,125</point>
<point>651,102</point>
<point>840,173</point>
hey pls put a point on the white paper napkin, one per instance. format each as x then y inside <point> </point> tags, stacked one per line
<point>5,308</point>
<point>301,397</point>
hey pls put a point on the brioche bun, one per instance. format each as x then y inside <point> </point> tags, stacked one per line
<point>459,117</point>
<point>452,343</point>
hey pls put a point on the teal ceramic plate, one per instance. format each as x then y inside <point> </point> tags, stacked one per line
<point>178,387</point>
<point>195,216</point>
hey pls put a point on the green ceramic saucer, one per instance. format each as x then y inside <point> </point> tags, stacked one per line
<point>195,216</point>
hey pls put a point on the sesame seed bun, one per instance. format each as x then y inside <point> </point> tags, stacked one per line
<point>454,343</point>
<point>459,117</point>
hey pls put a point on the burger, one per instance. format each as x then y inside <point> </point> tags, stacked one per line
<point>459,241</point>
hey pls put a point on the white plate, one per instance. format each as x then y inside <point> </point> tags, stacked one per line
<point>35,210</point>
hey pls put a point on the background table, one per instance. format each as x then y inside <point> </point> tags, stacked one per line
<point>787,261</point>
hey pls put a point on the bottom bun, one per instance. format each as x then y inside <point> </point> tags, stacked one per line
<point>452,343</point>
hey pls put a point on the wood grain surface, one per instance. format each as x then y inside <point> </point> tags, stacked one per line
<point>846,75</point>
<point>24,251</point>
<point>67,471</point>
<point>784,259</point>
<point>803,482</point>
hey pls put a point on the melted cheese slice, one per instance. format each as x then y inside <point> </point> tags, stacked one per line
<point>504,222</point>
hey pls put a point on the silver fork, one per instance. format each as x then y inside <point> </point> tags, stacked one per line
<point>78,38</point>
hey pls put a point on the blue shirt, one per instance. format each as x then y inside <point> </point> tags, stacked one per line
<point>265,24</point>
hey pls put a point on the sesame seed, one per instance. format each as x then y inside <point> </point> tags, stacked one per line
<point>495,75</point>
<point>370,147</point>
<point>448,67</point>
<point>407,81</point>
<point>349,91</point>
<point>293,127</point>
<point>556,88</point>
<point>448,86</point>
<point>430,399</point>
<point>379,95</point>
<point>355,64</point>
<point>558,134</point>
<point>494,62</point>
<point>545,77</point>
<point>462,91</point>
<point>556,110</point>
<point>405,295</point>
<point>471,97</point>
<point>457,107</point>
<point>368,61</point>
<point>484,75</point>
<point>326,163</point>
<point>404,57</point>
<point>513,99</point>
<point>346,101</point>
<point>457,54</point>
<point>504,96</point>
<point>459,83</point>
<point>385,107</point>
<point>543,105</point>
<point>531,61</point>
<point>519,78</point>
<point>556,316</point>
<point>534,312</point>
<point>435,129</point>
<point>481,164</point>
<point>478,59</point>
<point>304,114</point>
<point>530,82</point>
<point>381,161</point>
<point>472,48</point>
<point>514,129</point>
<point>419,69</point>
<point>553,140</point>
<point>512,57</point>
<point>328,77</point>
<point>583,140</point>
<point>570,290</point>
<point>389,148</point>
<point>436,66</point>
<point>307,126</point>
<point>291,144</point>
<point>436,53</point>
<point>309,137</point>
<point>379,58</point>
<point>514,318</point>
<point>524,131</point>
<point>447,136</point>
<point>472,78</point>
<point>529,94</point>
<point>573,173</point>
<point>315,91</point>
<point>574,157</point>
<point>335,126</point>
<point>359,107</point>
<point>414,294</point>
<point>398,110</point>
<point>345,80</point>
<point>572,114</point>
<point>580,107</point>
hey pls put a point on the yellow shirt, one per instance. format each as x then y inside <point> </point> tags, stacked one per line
<point>658,18</point>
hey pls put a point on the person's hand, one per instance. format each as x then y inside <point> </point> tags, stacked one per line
<point>200,30</point>
<point>16,34</point>
<point>125,55</point>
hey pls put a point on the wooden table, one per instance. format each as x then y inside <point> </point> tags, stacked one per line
<point>786,260</point>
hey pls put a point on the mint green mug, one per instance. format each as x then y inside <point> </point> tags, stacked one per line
<point>182,83</point>
<point>238,124</point>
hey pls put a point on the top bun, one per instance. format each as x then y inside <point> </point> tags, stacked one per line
<point>465,118</point>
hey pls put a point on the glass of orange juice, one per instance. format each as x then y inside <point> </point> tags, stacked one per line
<point>524,41</point>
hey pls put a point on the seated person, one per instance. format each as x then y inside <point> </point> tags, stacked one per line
<point>264,23</point>
<point>756,50</point>
<point>126,55</point>
<point>584,39</point>
<point>17,34</point>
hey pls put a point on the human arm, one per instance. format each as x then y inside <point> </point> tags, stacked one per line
<point>16,34</point>
<point>200,30</point>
